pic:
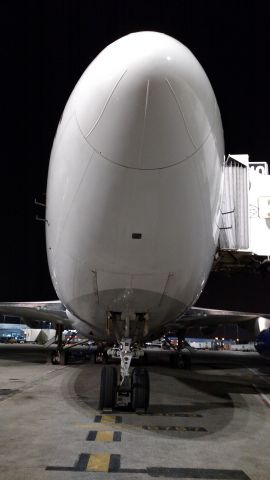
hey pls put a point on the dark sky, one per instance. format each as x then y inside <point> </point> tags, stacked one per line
<point>45,47</point>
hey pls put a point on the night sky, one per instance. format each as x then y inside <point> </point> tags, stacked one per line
<point>46,46</point>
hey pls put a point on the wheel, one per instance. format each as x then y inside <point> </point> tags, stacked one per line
<point>186,361</point>
<point>99,357</point>
<point>92,357</point>
<point>145,358</point>
<point>108,388</point>
<point>63,358</point>
<point>140,389</point>
<point>105,358</point>
<point>59,358</point>
<point>181,360</point>
<point>55,358</point>
<point>174,360</point>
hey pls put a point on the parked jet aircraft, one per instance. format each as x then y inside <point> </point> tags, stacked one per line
<point>133,204</point>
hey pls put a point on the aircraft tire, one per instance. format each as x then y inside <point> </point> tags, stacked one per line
<point>63,358</point>
<point>186,361</point>
<point>92,358</point>
<point>108,388</point>
<point>140,389</point>
<point>55,358</point>
<point>145,358</point>
<point>174,360</point>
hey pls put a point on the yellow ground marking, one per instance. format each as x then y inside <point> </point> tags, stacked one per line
<point>98,462</point>
<point>108,419</point>
<point>94,426</point>
<point>100,427</point>
<point>104,436</point>
<point>156,428</point>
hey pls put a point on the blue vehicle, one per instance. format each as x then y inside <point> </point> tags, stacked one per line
<point>262,343</point>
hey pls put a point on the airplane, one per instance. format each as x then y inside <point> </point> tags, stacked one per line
<point>133,206</point>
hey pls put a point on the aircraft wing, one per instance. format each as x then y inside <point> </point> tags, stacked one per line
<point>55,312</point>
<point>32,312</point>
<point>199,317</point>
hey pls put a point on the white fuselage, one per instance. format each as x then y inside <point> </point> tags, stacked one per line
<point>139,150</point>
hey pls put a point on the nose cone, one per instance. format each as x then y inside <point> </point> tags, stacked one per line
<point>145,102</point>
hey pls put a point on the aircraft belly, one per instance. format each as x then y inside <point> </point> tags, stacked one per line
<point>93,312</point>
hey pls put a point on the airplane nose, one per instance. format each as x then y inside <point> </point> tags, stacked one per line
<point>145,102</point>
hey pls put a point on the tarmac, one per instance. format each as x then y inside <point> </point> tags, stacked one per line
<point>210,422</point>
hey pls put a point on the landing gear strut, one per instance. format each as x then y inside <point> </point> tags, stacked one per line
<point>59,356</point>
<point>180,358</point>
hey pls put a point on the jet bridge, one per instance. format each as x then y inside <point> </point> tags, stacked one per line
<point>245,219</point>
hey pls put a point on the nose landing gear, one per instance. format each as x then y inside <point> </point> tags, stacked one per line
<point>134,387</point>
